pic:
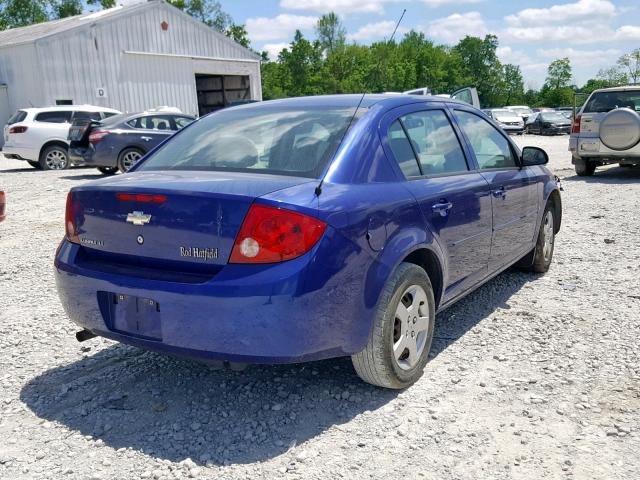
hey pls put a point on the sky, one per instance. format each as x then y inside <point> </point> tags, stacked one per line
<point>592,33</point>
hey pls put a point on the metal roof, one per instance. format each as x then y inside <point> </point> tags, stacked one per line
<point>32,33</point>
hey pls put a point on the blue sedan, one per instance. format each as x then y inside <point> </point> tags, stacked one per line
<point>307,228</point>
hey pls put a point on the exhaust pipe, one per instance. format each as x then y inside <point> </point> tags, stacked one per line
<point>84,335</point>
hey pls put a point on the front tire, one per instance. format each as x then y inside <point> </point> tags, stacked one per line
<point>584,168</point>
<point>128,158</point>
<point>399,344</point>
<point>54,157</point>
<point>108,170</point>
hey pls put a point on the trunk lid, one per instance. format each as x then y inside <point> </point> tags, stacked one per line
<point>79,132</point>
<point>190,225</point>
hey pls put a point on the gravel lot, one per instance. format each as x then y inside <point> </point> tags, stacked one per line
<point>531,377</point>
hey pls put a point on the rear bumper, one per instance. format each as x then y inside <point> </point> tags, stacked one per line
<point>592,148</point>
<point>281,313</point>
<point>19,153</point>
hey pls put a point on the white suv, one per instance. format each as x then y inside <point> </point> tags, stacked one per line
<point>607,130</point>
<point>39,135</point>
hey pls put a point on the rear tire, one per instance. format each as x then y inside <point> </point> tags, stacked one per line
<point>54,157</point>
<point>128,158</point>
<point>400,341</point>
<point>584,168</point>
<point>108,170</point>
<point>35,165</point>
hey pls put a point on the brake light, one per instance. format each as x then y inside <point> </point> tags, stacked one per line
<point>97,135</point>
<point>73,207</point>
<point>139,197</point>
<point>3,204</point>
<point>575,128</point>
<point>18,129</point>
<point>270,235</point>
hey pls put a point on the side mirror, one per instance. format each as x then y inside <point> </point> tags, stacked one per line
<point>534,156</point>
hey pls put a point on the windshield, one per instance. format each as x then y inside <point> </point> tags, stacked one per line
<point>553,117</point>
<point>277,140</point>
<point>607,101</point>
<point>504,113</point>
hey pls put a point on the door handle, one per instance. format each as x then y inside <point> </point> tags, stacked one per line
<point>499,193</point>
<point>442,208</point>
<point>146,139</point>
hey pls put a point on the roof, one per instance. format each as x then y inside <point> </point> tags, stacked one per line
<point>623,88</point>
<point>73,108</point>
<point>32,33</point>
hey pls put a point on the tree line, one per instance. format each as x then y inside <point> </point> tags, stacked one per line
<point>330,64</point>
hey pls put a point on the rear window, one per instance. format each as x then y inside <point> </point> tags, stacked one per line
<point>19,116</point>
<point>87,116</point>
<point>607,101</point>
<point>54,117</point>
<point>275,140</point>
<point>553,117</point>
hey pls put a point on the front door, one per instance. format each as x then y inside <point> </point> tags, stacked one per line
<point>513,189</point>
<point>454,200</point>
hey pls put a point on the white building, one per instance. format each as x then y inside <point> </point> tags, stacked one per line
<point>129,58</point>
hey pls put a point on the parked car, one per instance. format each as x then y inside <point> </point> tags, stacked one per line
<point>307,228</point>
<point>510,121</point>
<point>606,130</point>
<point>118,142</point>
<point>39,135</point>
<point>521,110</point>
<point>549,123</point>
<point>3,205</point>
<point>542,109</point>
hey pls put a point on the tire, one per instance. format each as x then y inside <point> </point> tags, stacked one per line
<point>108,170</point>
<point>128,157</point>
<point>397,351</point>
<point>584,168</point>
<point>35,165</point>
<point>543,251</point>
<point>54,157</point>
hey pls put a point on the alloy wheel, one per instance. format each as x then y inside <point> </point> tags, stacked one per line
<point>56,160</point>
<point>547,229</point>
<point>410,328</point>
<point>129,159</point>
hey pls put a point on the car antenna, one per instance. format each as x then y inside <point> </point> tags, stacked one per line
<point>318,189</point>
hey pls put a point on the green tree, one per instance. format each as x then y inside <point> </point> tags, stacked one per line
<point>207,11</point>
<point>513,84</point>
<point>480,66</point>
<point>102,3</point>
<point>238,33</point>
<point>331,33</point>
<point>631,63</point>
<point>67,8</point>
<point>612,77</point>
<point>20,13</point>
<point>302,64</point>
<point>559,74</point>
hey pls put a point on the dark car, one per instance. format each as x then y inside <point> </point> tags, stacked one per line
<point>307,228</point>
<point>549,123</point>
<point>118,142</point>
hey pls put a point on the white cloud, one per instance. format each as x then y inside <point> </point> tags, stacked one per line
<point>454,27</point>
<point>582,58</point>
<point>277,28</point>
<point>594,10</point>
<point>273,49</point>
<point>574,34</point>
<point>509,55</point>
<point>337,6</point>
<point>441,3</point>
<point>376,30</point>
<point>628,32</point>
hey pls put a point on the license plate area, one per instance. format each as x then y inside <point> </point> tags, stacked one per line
<point>135,316</point>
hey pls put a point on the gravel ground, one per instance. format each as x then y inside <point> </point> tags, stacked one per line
<point>531,376</point>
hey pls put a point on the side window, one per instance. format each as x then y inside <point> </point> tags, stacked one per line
<point>435,142</point>
<point>492,150</point>
<point>156,122</point>
<point>182,122</point>
<point>54,117</point>
<point>108,114</point>
<point>87,116</point>
<point>402,151</point>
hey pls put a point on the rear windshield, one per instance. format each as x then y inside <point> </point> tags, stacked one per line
<point>19,116</point>
<point>553,117</point>
<point>607,101</point>
<point>275,140</point>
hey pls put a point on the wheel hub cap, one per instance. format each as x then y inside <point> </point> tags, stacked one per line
<point>56,160</point>
<point>547,229</point>
<point>411,327</point>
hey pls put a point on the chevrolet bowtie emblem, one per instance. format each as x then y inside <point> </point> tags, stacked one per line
<point>138,218</point>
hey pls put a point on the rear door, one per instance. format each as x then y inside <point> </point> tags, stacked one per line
<point>514,191</point>
<point>453,198</point>
<point>149,130</point>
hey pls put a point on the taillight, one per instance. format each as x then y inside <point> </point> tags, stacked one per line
<point>270,235</point>
<point>18,129</point>
<point>141,197</point>
<point>70,220</point>
<point>575,128</point>
<point>3,204</point>
<point>97,135</point>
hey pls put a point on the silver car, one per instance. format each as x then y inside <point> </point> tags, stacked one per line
<point>606,130</point>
